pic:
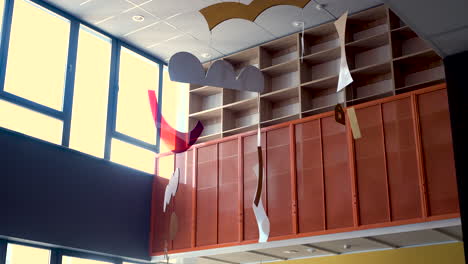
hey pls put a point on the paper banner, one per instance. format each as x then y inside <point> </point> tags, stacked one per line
<point>339,115</point>
<point>185,67</point>
<point>176,141</point>
<point>171,188</point>
<point>257,206</point>
<point>217,13</point>
<point>173,226</point>
<point>354,123</point>
<point>345,76</point>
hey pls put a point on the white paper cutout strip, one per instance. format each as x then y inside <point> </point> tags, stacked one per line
<point>262,219</point>
<point>344,78</point>
<point>171,188</point>
<point>354,123</point>
<point>185,67</point>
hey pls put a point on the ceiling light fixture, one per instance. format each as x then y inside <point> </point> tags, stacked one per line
<point>138,18</point>
<point>311,250</point>
<point>346,246</point>
<point>319,6</point>
<point>205,55</point>
<point>292,251</point>
<point>297,23</point>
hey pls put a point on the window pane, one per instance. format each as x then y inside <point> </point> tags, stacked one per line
<point>88,127</point>
<point>30,123</point>
<point>132,156</point>
<point>137,76</point>
<point>175,105</point>
<point>37,55</point>
<point>2,6</point>
<point>17,254</point>
<point>73,260</point>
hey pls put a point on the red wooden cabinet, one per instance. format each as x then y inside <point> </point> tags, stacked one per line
<point>318,178</point>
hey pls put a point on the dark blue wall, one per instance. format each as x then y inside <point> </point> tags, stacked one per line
<point>59,196</point>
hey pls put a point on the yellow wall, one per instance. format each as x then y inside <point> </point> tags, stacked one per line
<point>436,254</point>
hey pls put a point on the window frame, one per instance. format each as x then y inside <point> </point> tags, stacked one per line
<point>56,254</point>
<point>66,114</point>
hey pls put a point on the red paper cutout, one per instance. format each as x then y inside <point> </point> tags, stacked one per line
<point>176,141</point>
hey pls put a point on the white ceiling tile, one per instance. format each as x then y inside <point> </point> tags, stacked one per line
<point>207,261</point>
<point>338,7</point>
<point>192,23</point>
<point>184,43</point>
<point>356,244</point>
<point>123,24</point>
<point>452,42</point>
<point>432,16</point>
<point>244,257</point>
<point>238,34</point>
<point>413,238</point>
<point>168,8</point>
<point>153,34</point>
<point>96,10</point>
<point>278,19</point>
<point>453,230</point>
<point>302,252</point>
<point>139,2</point>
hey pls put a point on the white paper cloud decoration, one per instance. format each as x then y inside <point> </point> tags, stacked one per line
<point>185,67</point>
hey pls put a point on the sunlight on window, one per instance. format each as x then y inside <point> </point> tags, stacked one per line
<point>73,260</point>
<point>37,57</point>
<point>137,76</point>
<point>174,105</point>
<point>132,156</point>
<point>17,254</point>
<point>2,6</point>
<point>166,166</point>
<point>88,127</point>
<point>31,123</point>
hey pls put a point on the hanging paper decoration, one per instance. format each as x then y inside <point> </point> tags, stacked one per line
<point>185,67</point>
<point>263,222</point>
<point>173,226</point>
<point>339,114</point>
<point>220,12</point>
<point>354,123</point>
<point>171,188</point>
<point>176,141</point>
<point>344,78</point>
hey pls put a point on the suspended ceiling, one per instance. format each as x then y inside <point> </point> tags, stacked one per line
<point>444,24</point>
<point>437,232</point>
<point>171,26</point>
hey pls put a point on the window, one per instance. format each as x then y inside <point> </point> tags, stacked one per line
<point>88,125</point>
<point>2,7</point>
<point>175,105</point>
<point>18,254</point>
<point>30,122</point>
<point>132,156</point>
<point>37,55</point>
<point>137,75</point>
<point>74,260</point>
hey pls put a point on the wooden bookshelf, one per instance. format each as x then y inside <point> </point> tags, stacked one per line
<point>384,55</point>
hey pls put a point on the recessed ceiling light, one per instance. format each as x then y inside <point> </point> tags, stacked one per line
<point>311,250</point>
<point>205,55</point>
<point>292,251</point>
<point>138,18</point>
<point>297,23</point>
<point>346,246</point>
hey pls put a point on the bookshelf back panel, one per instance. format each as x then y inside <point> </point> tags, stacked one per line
<point>369,57</point>
<point>430,74</point>
<point>283,81</point>
<point>371,89</point>
<point>200,103</point>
